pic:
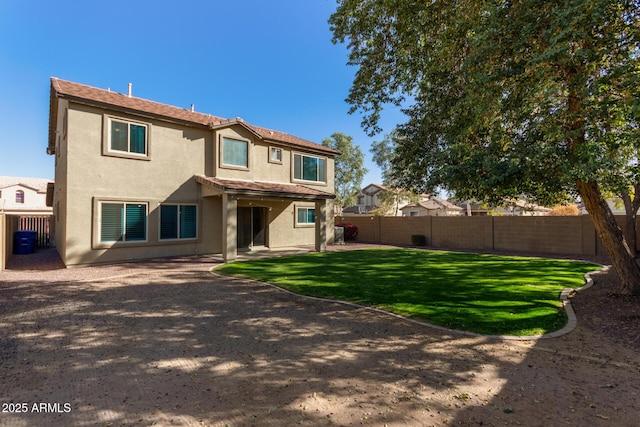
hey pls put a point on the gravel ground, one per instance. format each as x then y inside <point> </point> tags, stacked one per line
<point>166,342</point>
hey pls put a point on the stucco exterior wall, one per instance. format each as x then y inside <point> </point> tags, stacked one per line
<point>88,173</point>
<point>175,155</point>
<point>260,167</point>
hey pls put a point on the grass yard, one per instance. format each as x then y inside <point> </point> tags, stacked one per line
<point>487,294</point>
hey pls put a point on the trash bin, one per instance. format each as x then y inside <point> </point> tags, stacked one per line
<point>24,242</point>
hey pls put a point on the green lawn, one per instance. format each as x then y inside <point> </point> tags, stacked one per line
<point>487,294</point>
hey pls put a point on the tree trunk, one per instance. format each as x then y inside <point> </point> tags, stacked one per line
<point>624,263</point>
<point>631,210</point>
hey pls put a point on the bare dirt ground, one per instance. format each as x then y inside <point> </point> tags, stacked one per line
<point>168,343</point>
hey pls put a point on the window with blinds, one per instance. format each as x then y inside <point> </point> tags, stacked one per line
<point>235,152</point>
<point>178,222</point>
<point>123,222</point>
<point>128,137</point>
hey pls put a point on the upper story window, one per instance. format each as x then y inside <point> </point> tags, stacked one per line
<point>19,196</point>
<point>128,137</point>
<point>235,152</point>
<point>275,155</point>
<point>360,199</point>
<point>309,168</point>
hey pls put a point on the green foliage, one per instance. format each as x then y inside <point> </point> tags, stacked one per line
<point>480,293</point>
<point>390,199</point>
<point>510,99</point>
<point>349,168</point>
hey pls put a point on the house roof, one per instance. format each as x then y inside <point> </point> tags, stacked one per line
<point>116,101</point>
<point>263,189</point>
<point>373,189</point>
<point>37,184</point>
<point>434,204</point>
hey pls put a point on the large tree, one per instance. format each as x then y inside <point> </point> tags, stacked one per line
<point>528,98</point>
<point>349,168</point>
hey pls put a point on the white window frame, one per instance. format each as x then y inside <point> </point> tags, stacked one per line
<point>273,150</point>
<point>109,151</point>
<point>98,243</point>
<point>301,179</point>
<point>307,209</point>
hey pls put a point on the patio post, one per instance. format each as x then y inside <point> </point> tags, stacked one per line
<point>321,225</point>
<point>229,227</point>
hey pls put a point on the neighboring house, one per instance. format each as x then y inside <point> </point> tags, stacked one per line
<point>471,208</point>
<point>368,200</point>
<point>433,206</point>
<point>137,179</point>
<point>524,208</point>
<point>24,196</point>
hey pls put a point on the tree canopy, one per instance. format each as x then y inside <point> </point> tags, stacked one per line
<point>529,98</point>
<point>349,168</point>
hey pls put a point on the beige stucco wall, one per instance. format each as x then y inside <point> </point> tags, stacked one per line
<point>283,230</point>
<point>260,168</point>
<point>60,181</point>
<point>4,249</point>
<point>175,155</point>
<point>86,173</point>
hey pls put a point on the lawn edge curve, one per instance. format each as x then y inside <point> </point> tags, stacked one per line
<point>565,298</point>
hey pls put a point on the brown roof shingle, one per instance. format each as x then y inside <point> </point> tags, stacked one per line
<point>106,98</point>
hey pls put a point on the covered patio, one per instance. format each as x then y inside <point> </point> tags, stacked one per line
<point>254,214</point>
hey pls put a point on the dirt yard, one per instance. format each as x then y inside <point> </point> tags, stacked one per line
<point>168,343</point>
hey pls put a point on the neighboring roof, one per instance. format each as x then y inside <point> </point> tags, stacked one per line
<point>37,184</point>
<point>107,99</point>
<point>376,189</point>
<point>267,189</point>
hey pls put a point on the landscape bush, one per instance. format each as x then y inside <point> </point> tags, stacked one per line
<point>350,230</point>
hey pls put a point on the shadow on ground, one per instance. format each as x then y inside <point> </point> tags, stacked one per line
<point>179,347</point>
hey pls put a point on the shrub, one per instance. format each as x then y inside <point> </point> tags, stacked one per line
<point>350,230</point>
<point>570,210</point>
<point>418,240</point>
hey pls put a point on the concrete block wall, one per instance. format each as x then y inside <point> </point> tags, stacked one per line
<point>552,235</point>
<point>473,233</point>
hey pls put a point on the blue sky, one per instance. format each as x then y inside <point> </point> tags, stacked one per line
<point>270,62</point>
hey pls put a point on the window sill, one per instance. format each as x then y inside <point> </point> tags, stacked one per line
<point>125,155</point>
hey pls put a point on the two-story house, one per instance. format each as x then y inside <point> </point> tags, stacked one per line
<point>367,200</point>
<point>138,179</point>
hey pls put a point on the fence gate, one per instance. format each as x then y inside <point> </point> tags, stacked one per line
<point>39,224</point>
